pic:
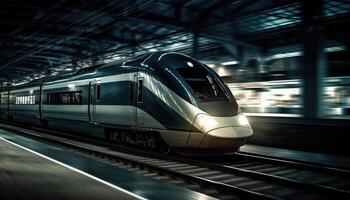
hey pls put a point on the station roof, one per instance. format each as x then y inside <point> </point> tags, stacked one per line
<point>43,38</point>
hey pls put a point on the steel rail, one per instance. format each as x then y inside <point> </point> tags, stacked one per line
<point>222,168</point>
<point>229,189</point>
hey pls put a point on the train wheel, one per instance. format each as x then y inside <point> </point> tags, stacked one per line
<point>151,142</point>
<point>113,135</point>
<point>164,148</point>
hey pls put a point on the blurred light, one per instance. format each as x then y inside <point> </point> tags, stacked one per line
<point>152,50</point>
<point>208,121</point>
<point>175,45</point>
<point>201,197</point>
<point>116,57</point>
<point>233,62</point>
<point>71,86</point>
<point>334,49</point>
<point>333,80</point>
<point>221,71</point>
<point>68,69</point>
<point>274,114</point>
<point>211,65</point>
<point>189,64</point>
<point>31,92</point>
<point>286,55</point>
<point>243,120</point>
<point>282,82</point>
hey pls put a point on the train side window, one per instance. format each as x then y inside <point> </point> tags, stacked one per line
<point>78,98</point>
<point>98,92</point>
<point>140,90</point>
<point>24,100</point>
<point>65,98</point>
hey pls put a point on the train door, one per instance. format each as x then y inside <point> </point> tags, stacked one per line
<point>140,99</point>
<point>94,99</point>
<point>132,100</point>
<point>41,102</point>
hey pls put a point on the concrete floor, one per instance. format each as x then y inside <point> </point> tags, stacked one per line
<point>24,175</point>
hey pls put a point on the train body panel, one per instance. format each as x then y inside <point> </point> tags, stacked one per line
<point>4,104</point>
<point>182,100</point>
<point>174,111</point>
<point>24,105</point>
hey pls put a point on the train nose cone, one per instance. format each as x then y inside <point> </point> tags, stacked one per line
<point>206,123</point>
<point>225,138</point>
<point>220,132</point>
<point>226,132</point>
<point>231,132</point>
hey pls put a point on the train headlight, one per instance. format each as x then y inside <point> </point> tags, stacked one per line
<point>242,120</point>
<point>208,122</point>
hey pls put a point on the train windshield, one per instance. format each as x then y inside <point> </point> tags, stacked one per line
<point>205,85</point>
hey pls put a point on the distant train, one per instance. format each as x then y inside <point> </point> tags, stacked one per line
<point>159,100</point>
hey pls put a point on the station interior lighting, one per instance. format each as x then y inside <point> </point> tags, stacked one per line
<point>287,55</point>
<point>71,85</point>
<point>152,50</point>
<point>300,53</point>
<point>211,65</point>
<point>336,48</point>
<point>232,62</point>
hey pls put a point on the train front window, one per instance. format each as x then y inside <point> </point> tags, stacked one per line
<point>204,85</point>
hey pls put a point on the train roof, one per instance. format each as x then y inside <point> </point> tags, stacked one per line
<point>133,64</point>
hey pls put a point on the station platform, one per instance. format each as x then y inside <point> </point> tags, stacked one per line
<point>30,169</point>
<point>309,157</point>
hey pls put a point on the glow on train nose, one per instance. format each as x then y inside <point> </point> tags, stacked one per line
<point>207,122</point>
<point>242,120</point>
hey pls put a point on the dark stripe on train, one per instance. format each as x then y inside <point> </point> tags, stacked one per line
<point>118,93</point>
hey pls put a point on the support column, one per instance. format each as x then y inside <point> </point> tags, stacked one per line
<point>241,55</point>
<point>313,69</point>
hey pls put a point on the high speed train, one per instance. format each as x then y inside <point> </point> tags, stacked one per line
<point>162,100</point>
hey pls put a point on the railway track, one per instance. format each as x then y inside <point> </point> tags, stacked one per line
<point>244,177</point>
<point>307,174</point>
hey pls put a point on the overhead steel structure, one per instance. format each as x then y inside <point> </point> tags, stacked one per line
<point>44,38</point>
